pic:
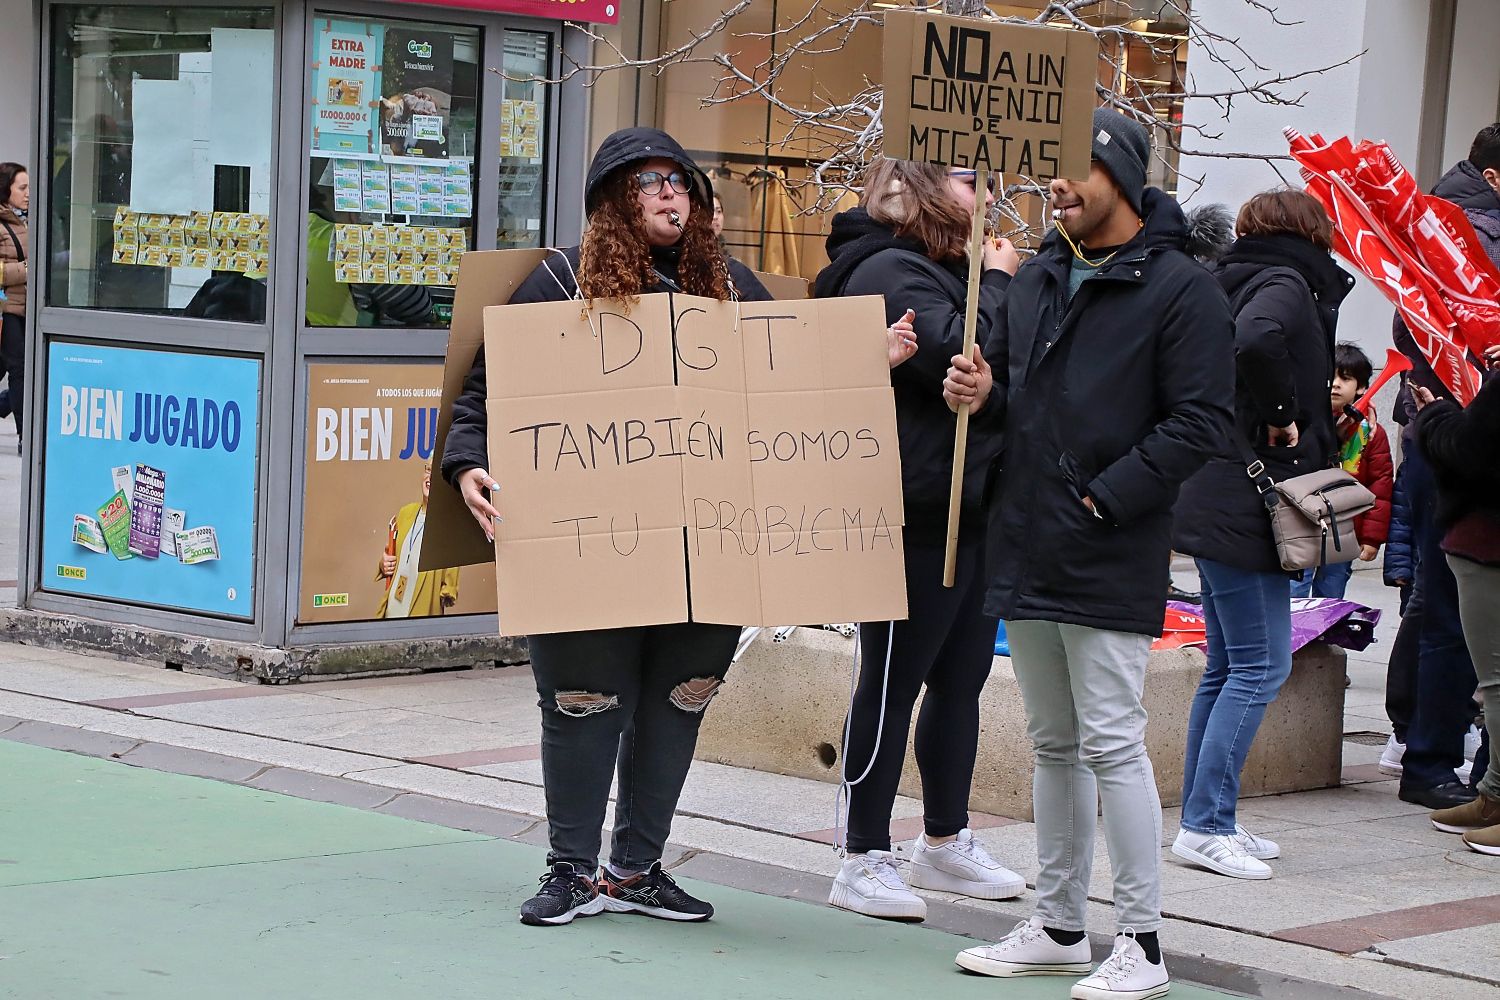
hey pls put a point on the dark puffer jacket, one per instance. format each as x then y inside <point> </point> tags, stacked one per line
<point>1463,446</point>
<point>1285,295</point>
<point>554,280</point>
<point>869,259</point>
<point>1120,394</point>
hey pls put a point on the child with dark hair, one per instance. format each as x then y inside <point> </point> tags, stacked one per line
<point>1365,453</point>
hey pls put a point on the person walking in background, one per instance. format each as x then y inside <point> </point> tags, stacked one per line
<point>1111,378</point>
<point>630,699</point>
<point>15,203</point>
<point>907,240</point>
<point>1365,453</point>
<point>1285,291</point>
<point>1463,446</point>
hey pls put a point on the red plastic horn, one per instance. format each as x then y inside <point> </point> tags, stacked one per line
<point>1395,364</point>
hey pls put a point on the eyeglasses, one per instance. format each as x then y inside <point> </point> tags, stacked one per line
<point>651,181</point>
<point>970,175</point>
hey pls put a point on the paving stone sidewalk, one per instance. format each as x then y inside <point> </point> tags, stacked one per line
<point>1368,899</point>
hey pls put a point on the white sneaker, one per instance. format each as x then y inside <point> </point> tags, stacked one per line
<point>962,866</point>
<point>870,884</point>
<point>1390,757</point>
<point>1124,975</point>
<point>1027,951</point>
<point>1471,747</point>
<point>1256,847</point>
<point>1222,853</point>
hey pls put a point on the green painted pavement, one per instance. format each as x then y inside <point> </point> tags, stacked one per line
<point>121,882</point>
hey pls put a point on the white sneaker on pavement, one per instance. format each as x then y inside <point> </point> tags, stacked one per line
<point>1256,847</point>
<point>1124,975</point>
<point>962,866</point>
<point>1471,747</point>
<point>1220,853</point>
<point>1390,757</point>
<point>870,884</point>
<point>1027,951</point>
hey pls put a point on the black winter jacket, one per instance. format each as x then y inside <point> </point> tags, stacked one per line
<point>1463,446</point>
<point>868,259</point>
<point>1120,395</point>
<point>1284,293</point>
<point>1400,566</point>
<point>553,281</point>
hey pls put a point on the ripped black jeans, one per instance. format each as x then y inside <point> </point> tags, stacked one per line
<point>629,699</point>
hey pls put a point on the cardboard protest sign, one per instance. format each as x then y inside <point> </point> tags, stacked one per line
<point>485,278</point>
<point>962,92</point>
<point>784,286</point>
<point>694,460</point>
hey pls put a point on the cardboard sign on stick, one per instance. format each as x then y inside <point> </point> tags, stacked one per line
<point>699,460</point>
<point>485,278</point>
<point>961,92</point>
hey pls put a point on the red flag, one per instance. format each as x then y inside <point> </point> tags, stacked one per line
<point>1420,251</point>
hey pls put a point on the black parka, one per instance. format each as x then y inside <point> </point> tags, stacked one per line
<point>1120,395</point>
<point>868,259</point>
<point>1285,294</point>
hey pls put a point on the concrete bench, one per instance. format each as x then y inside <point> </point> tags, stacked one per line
<point>783,711</point>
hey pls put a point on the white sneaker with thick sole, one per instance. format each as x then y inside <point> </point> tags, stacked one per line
<point>870,884</point>
<point>1471,748</point>
<point>1390,757</point>
<point>1256,847</point>
<point>1124,975</point>
<point>1219,853</point>
<point>1027,951</point>
<point>962,866</point>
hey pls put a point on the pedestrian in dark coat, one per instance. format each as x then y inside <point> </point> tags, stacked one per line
<point>907,241</point>
<point>626,699</point>
<point>1438,690</point>
<point>1464,448</point>
<point>1285,290</point>
<point>1111,377</point>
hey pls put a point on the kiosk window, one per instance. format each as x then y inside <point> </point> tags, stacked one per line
<point>523,139</point>
<point>390,198</point>
<point>161,126</point>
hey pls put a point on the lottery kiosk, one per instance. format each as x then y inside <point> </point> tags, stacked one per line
<point>246,238</point>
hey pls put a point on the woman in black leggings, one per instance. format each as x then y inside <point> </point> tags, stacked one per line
<point>907,241</point>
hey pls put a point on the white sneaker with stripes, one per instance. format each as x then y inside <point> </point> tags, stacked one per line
<point>1220,853</point>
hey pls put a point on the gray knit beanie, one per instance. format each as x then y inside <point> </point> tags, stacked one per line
<point>1124,147</point>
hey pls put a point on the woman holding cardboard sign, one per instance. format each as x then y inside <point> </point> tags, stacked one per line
<point>907,240</point>
<point>626,699</point>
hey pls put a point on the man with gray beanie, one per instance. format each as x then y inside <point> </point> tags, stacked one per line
<point>1111,373</point>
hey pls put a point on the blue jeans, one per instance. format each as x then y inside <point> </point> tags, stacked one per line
<point>1249,618</point>
<point>1325,581</point>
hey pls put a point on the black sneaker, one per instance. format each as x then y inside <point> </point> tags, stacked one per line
<point>654,893</point>
<point>565,894</point>
<point>1444,796</point>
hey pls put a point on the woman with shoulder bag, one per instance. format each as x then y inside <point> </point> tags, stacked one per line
<point>15,201</point>
<point>907,241</point>
<point>1285,290</point>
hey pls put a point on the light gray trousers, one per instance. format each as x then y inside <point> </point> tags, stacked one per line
<point>1478,599</point>
<point>1082,688</point>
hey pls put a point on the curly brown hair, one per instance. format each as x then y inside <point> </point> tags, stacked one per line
<point>614,261</point>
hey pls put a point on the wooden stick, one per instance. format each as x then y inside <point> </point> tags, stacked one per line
<point>971,319</point>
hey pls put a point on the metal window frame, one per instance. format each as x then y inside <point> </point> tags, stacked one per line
<point>283,343</point>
